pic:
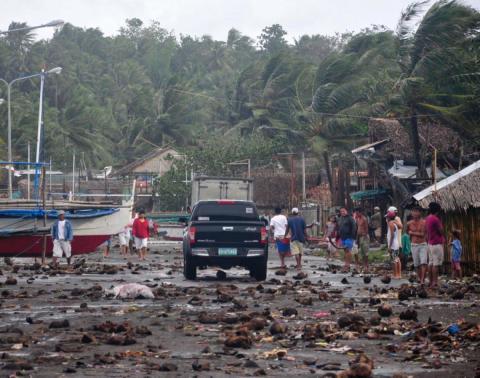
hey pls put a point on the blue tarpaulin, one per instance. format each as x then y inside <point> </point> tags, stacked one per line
<point>368,194</point>
<point>38,213</point>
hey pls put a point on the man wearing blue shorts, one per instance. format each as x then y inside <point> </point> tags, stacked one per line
<point>278,225</point>
<point>298,229</point>
<point>347,229</point>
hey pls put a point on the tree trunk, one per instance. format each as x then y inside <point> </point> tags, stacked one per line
<point>417,146</point>
<point>341,184</point>
<point>326,161</point>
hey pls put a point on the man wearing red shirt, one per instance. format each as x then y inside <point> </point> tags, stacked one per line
<point>140,231</point>
<point>435,241</point>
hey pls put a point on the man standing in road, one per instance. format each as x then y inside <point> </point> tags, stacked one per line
<point>416,230</point>
<point>140,231</point>
<point>435,241</point>
<point>298,230</point>
<point>393,244</point>
<point>363,239</point>
<point>347,230</point>
<point>62,235</point>
<point>398,223</point>
<point>278,226</point>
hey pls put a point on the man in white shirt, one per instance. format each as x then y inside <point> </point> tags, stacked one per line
<point>278,226</point>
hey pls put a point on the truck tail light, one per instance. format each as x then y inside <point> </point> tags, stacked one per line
<point>225,202</point>
<point>263,235</point>
<point>191,235</point>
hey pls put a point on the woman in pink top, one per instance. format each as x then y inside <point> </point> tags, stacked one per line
<point>435,241</point>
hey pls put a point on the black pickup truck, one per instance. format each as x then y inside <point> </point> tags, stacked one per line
<point>225,233</point>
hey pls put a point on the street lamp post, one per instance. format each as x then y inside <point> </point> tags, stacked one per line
<point>50,24</point>
<point>42,74</point>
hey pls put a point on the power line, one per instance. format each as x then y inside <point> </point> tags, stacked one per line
<point>333,115</point>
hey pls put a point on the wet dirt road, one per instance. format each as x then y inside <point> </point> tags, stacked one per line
<point>57,323</point>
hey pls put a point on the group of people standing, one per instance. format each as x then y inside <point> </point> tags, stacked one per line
<point>351,234</point>
<point>427,238</point>
<point>421,239</point>
<point>137,232</point>
<point>290,235</point>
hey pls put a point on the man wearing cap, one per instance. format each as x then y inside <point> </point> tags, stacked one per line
<point>398,223</point>
<point>298,229</point>
<point>62,235</point>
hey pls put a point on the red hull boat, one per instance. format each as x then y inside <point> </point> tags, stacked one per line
<point>32,245</point>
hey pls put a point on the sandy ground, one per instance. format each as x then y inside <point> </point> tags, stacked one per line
<point>57,323</point>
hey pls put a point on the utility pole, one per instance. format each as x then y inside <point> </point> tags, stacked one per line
<point>28,171</point>
<point>73,176</point>
<point>292,181</point>
<point>304,195</point>
<point>50,178</point>
<point>292,195</point>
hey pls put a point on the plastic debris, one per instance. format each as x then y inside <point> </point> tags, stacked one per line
<point>133,291</point>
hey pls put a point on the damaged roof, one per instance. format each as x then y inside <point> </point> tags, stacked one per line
<point>457,192</point>
<point>400,147</point>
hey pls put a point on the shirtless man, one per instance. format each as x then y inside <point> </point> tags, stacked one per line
<point>416,230</point>
<point>363,240</point>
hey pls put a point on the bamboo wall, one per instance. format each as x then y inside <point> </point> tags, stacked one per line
<point>469,225</point>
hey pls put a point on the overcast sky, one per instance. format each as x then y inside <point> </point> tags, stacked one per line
<point>212,17</point>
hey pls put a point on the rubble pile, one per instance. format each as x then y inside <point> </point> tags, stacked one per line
<point>61,321</point>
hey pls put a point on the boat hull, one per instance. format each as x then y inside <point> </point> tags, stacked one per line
<point>32,245</point>
<point>88,233</point>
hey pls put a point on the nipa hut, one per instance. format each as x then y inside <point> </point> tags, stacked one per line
<point>459,196</point>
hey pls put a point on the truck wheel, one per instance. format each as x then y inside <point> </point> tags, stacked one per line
<point>189,268</point>
<point>260,270</point>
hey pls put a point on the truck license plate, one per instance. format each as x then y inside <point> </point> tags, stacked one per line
<point>227,251</point>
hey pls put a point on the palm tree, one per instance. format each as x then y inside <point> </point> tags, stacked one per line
<point>350,86</point>
<point>426,56</point>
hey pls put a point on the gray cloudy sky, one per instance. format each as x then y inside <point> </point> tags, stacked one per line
<point>213,17</point>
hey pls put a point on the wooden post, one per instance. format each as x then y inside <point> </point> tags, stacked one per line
<point>44,249</point>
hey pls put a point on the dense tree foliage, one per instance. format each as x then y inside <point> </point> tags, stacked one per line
<point>120,96</point>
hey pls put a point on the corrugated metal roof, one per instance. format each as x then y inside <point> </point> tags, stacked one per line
<point>448,181</point>
<point>458,192</point>
<point>402,171</point>
<point>369,145</point>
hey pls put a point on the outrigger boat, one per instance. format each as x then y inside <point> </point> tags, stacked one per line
<point>25,224</point>
<point>24,231</point>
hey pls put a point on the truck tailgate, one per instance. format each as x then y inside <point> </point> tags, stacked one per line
<point>228,234</point>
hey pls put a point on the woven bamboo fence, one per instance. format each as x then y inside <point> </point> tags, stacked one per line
<point>469,225</point>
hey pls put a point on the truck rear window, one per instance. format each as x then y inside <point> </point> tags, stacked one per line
<point>219,212</point>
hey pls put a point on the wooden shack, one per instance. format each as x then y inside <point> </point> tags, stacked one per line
<point>144,170</point>
<point>459,196</point>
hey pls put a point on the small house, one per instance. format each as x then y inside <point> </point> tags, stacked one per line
<point>144,170</point>
<point>459,196</point>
